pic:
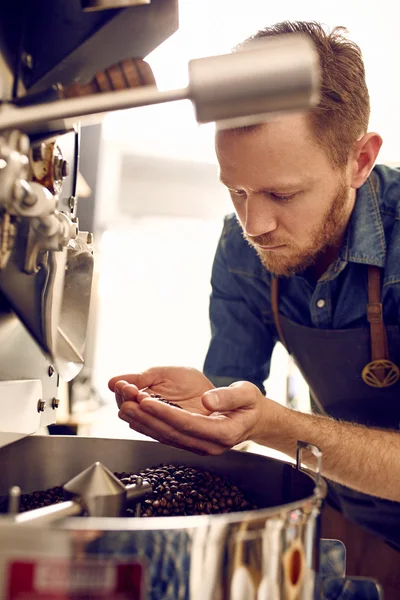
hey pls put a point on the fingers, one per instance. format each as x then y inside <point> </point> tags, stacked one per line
<point>241,394</point>
<point>148,424</point>
<point>213,429</point>
<point>126,391</point>
<point>141,380</point>
<point>118,391</point>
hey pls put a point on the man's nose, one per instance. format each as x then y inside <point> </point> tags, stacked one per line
<point>259,217</point>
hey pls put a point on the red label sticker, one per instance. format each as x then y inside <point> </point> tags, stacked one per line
<point>63,579</point>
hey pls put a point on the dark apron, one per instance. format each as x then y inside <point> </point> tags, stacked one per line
<point>331,361</point>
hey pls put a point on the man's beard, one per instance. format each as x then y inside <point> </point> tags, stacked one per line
<point>294,259</point>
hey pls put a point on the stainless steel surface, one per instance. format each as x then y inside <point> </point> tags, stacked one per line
<point>71,454</point>
<point>36,117</point>
<point>54,304</point>
<point>137,491</point>
<point>46,272</point>
<point>19,405</point>
<point>49,514</point>
<point>95,490</point>
<point>316,452</point>
<point>100,491</point>
<point>211,552</point>
<point>272,75</point>
<point>74,316</point>
<point>21,360</point>
<point>13,500</point>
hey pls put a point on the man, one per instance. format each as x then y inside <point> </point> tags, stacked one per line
<point>313,215</point>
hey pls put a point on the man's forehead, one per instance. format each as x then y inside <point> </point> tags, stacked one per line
<point>276,155</point>
<point>257,173</point>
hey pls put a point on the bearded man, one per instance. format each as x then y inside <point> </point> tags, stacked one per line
<point>311,258</point>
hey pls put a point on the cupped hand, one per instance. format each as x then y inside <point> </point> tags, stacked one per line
<point>213,419</point>
<point>182,385</point>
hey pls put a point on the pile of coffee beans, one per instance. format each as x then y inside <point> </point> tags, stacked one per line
<point>177,491</point>
<point>37,499</point>
<point>162,399</point>
<point>182,491</point>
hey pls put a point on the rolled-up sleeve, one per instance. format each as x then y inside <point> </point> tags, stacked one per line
<point>241,343</point>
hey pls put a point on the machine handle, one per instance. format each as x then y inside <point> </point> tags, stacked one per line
<point>318,455</point>
<point>47,514</point>
<point>135,492</point>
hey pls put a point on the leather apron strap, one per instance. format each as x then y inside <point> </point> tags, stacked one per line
<point>379,348</point>
<point>381,371</point>
<point>275,310</point>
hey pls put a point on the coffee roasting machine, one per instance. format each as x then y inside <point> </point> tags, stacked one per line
<point>62,63</point>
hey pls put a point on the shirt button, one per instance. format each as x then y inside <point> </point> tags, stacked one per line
<point>321,303</point>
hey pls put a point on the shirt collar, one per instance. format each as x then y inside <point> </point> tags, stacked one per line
<point>365,238</point>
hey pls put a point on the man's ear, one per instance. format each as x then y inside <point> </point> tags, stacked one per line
<point>363,158</point>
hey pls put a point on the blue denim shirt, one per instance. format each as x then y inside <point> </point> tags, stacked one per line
<point>242,324</point>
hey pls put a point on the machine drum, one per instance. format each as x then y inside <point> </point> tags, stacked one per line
<point>177,491</point>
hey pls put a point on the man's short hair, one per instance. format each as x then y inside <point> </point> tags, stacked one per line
<point>342,114</point>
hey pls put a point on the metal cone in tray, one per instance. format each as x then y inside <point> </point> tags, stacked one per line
<point>95,491</point>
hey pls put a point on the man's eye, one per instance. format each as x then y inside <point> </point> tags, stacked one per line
<point>283,198</point>
<point>238,193</point>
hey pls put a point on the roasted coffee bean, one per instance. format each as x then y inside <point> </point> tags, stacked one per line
<point>161,399</point>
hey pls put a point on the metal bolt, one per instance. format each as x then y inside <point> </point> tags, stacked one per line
<point>89,239</point>
<point>74,230</point>
<point>41,406</point>
<point>29,200</point>
<point>27,60</point>
<point>14,497</point>
<point>51,371</point>
<point>138,512</point>
<point>72,203</point>
<point>55,403</point>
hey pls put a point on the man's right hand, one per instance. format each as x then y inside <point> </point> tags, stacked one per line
<point>182,385</point>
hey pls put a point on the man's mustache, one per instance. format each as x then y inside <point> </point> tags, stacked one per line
<point>264,240</point>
